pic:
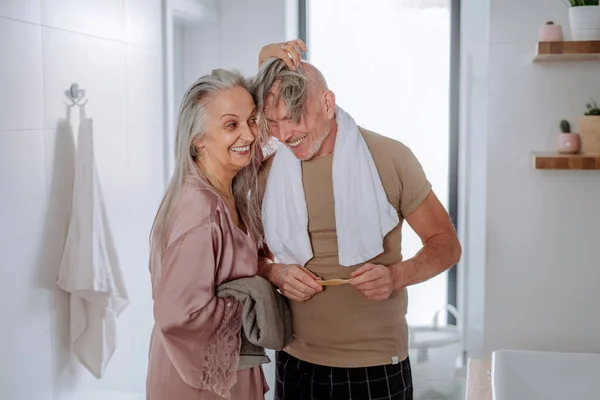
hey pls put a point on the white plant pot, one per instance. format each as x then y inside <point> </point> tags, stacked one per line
<point>585,22</point>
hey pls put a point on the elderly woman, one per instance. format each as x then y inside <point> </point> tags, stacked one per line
<point>207,231</point>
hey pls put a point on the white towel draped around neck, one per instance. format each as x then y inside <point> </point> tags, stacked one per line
<point>362,212</point>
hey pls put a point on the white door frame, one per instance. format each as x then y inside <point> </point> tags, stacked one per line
<point>189,12</point>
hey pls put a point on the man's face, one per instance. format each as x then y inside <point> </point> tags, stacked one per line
<point>304,137</point>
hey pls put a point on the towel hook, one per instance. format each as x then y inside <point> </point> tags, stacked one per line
<point>76,95</point>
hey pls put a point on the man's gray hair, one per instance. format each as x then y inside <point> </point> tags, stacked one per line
<point>293,88</point>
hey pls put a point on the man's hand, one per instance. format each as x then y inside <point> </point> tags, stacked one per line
<point>295,282</point>
<point>375,282</point>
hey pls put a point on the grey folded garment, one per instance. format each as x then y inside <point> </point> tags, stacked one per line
<point>266,318</point>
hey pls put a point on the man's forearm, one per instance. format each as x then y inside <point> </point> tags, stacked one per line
<point>437,255</point>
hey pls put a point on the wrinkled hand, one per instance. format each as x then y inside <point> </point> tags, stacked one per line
<point>375,282</point>
<point>290,52</point>
<point>295,282</point>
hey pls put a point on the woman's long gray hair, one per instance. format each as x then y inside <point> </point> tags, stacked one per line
<point>190,127</point>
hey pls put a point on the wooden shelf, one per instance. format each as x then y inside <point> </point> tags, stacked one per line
<point>568,51</point>
<point>551,160</point>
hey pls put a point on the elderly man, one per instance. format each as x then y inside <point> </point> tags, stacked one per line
<point>334,200</point>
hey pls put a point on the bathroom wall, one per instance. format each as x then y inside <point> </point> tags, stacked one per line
<point>543,258</point>
<point>112,49</point>
<point>537,288</point>
<point>235,38</point>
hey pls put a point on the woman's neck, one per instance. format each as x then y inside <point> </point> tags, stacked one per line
<point>224,187</point>
<point>221,181</point>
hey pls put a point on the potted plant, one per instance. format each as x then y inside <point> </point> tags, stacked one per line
<point>568,142</point>
<point>584,16</point>
<point>550,32</point>
<point>589,125</point>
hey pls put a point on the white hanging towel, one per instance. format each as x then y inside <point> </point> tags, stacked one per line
<point>363,215</point>
<point>90,269</point>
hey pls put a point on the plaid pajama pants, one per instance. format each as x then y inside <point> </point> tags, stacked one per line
<point>300,380</point>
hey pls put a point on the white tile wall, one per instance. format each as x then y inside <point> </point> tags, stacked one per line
<point>145,167</point>
<point>540,247</point>
<point>511,70</point>
<point>23,270</point>
<point>112,50</point>
<point>22,184</point>
<point>103,19</point>
<point>101,72</point>
<point>141,19</point>
<point>21,106</point>
<point>525,22</point>
<point>25,339</point>
<point>144,72</point>
<point>29,375</point>
<point>240,50</point>
<point>551,262</point>
<point>201,55</point>
<point>22,10</point>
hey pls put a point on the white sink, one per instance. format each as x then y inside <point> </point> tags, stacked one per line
<point>540,375</point>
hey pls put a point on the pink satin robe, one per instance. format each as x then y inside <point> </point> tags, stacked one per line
<point>196,337</point>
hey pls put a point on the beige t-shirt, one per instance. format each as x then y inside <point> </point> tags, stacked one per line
<point>339,327</point>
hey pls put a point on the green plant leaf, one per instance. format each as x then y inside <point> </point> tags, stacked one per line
<point>579,3</point>
<point>592,108</point>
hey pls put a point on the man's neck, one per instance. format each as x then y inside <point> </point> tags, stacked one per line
<point>329,143</point>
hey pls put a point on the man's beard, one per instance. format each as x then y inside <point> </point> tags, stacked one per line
<point>315,147</point>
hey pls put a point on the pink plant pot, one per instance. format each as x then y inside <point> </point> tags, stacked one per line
<point>550,33</point>
<point>569,143</point>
